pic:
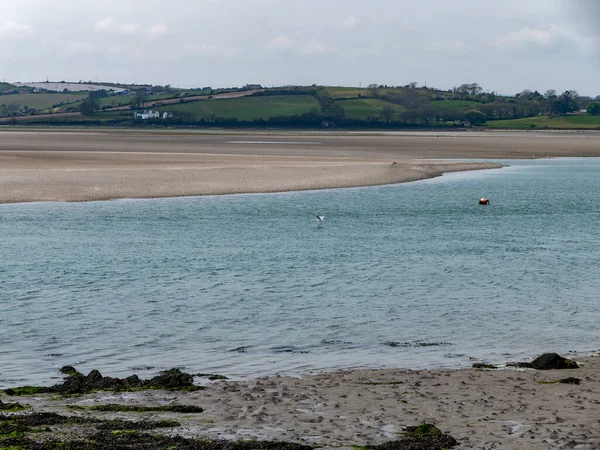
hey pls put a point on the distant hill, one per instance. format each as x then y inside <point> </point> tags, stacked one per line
<point>375,106</point>
<point>68,86</point>
<point>6,87</point>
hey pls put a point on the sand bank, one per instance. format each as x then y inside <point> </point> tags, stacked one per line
<point>101,165</point>
<point>483,409</point>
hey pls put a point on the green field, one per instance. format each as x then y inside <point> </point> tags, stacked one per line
<point>40,101</point>
<point>122,100</point>
<point>6,87</point>
<point>452,105</point>
<point>566,122</point>
<point>246,108</point>
<point>116,100</point>
<point>336,92</point>
<point>363,108</point>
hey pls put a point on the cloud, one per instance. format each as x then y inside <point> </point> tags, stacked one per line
<point>14,29</point>
<point>525,37</point>
<point>78,47</point>
<point>349,22</point>
<point>158,30</point>
<point>280,43</point>
<point>111,25</point>
<point>447,47</point>
<point>211,50</point>
<point>548,38</point>
<point>316,48</point>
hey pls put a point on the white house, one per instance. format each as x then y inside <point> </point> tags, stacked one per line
<point>145,115</point>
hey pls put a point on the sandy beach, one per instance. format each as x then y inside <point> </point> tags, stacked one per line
<point>107,164</point>
<point>509,409</point>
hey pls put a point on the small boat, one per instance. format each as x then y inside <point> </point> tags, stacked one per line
<point>484,201</point>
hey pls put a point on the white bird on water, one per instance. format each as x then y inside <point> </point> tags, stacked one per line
<point>320,218</point>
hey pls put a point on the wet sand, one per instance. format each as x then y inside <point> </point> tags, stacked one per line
<point>510,409</point>
<point>51,165</point>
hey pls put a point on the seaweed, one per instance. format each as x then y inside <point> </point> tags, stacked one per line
<point>77,383</point>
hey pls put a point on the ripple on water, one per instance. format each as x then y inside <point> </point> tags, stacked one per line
<point>249,285</point>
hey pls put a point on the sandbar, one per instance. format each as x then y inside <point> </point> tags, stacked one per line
<point>104,164</point>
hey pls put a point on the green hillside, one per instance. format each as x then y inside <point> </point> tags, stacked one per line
<point>246,108</point>
<point>452,105</point>
<point>316,106</point>
<point>6,87</point>
<point>540,122</point>
<point>365,108</point>
<point>343,92</point>
<point>40,101</point>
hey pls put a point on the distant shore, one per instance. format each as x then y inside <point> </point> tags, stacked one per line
<point>80,165</point>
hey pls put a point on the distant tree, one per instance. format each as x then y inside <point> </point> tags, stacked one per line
<point>412,85</point>
<point>100,93</point>
<point>476,117</point>
<point>373,89</point>
<point>313,114</point>
<point>411,115</point>
<point>428,113</point>
<point>337,112</point>
<point>138,99</point>
<point>584,101</point>
<point>593,109</point>
<point>567,102</point>
<point>550,101</point>
<point>9,110</point>
<point>89,106</point>
<point>525,94</point>
<point>466,89</point>
<point>387,113</point>
<point>324,100</point>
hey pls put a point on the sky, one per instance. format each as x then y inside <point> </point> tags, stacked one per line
<point>505,46</point>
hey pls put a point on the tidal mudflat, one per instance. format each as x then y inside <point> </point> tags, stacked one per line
<point>106,164</point>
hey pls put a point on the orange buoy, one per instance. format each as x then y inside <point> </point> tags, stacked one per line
<point>484,201</point>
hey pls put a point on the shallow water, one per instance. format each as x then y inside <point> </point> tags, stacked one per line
<point>248,285</point>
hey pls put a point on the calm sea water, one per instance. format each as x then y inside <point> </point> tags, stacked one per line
<point>248,285</point>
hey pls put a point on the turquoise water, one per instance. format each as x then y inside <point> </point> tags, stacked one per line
<point>248,285</point>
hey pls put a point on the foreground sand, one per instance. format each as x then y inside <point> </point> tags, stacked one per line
<point>482,409</point>
<point>102,165</point>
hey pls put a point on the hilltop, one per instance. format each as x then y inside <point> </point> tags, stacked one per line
<point>373,107</point>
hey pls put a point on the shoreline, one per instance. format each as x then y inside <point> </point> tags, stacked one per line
<point>481,408</point>
<point>83,184</point>
<point>76,165</point>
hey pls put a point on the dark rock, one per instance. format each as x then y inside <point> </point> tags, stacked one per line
<point>570,380</point>
<point>422,437</point>
<point>483,366</point>
<point>70,370</point>
<point>186,409</point>
<point>133,381</point>
<point>171,379</point>
<point>521,365</point>
<point>10,406</point>
<point>211,376</point>
<point>94,376</point>
<point>423,429</point>
<point>76,383</point>
<point>552,361</point>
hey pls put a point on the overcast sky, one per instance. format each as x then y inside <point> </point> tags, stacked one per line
<point>504,45</point>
